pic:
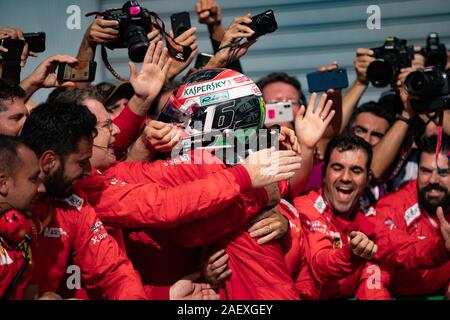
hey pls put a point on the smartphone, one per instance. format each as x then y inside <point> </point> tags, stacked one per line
<point>36,41</point>
<point>278,113</point>
<point>202,60</point>
<point>83,71</point>
<point>322,81</point>
<point>180,23</point>
<point>11,59</point>
<point>15,48</point>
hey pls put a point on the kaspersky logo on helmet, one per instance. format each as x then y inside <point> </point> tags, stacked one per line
<point>209,87</point>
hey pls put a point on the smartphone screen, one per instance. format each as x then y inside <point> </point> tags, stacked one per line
<point>322,81</point>
<point>84,71</point>
<point>180,22</point>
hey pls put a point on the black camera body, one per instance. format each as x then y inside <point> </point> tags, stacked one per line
<point>390,58</point>
<point>430,90</point>
<point>435,53</point>
<point>263,23</point>
<point>134,25</point>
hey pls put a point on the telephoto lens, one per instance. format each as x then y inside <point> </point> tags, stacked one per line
<point>137,42</point>
<point>427,83</point>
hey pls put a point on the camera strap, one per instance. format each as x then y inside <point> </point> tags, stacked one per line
<point>109,66</point>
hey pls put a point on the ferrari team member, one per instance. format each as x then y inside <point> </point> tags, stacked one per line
<point>19,189</point>
<point>140,175</point>
<point>66,228</point>
<point>337,232</point>
<point>264,265</point>
<point>414,210</point>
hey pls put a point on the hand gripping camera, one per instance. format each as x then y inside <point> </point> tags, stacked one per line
<point>135,22</point>
<point>430,89</point>
<point>390,58</point>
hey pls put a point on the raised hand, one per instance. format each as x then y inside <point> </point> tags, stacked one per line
<point>187,38</point>
<point>361,62</point>
<point>208,12</point>
<point>310,125</point>
<point>148,82</point>
<point>14,33</point>
<point>230,50</point>
<point>44,76</point>
<point>288,140</point>
<point>102,31</point>
<point>444,226</point>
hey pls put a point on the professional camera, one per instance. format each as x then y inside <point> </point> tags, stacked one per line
<point>390,58</point>
<point>262,24</point>
<point>429,89</point>
<point>435,53</point>
<point>134,24</point>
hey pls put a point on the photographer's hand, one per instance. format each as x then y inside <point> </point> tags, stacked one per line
<point>44,76</point>
<point>187,38</point>
<point>99,31</point>
<point>230,49</point>
<point>148,82</point>
<point>361,62</point>
<point>102,31</point>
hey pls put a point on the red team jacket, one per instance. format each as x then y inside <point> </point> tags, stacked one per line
<point>333,265</point>
<point>232,211</point>
<point>67,233</point>
<point>10,263</point>
<point>421,264</point>
<point>296,253</point>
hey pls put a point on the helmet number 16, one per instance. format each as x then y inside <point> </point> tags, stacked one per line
<point>219,117</point>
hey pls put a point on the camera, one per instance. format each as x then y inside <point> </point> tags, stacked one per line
<point>435,53</point>
<point>134,25</point>
<point>430,90</point>
<point>390,58</point>
<point>263,23</point>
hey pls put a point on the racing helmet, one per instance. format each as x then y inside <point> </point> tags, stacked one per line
<point>213,104</point>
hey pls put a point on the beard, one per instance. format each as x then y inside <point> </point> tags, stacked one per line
<point>57,185</point>
<point>430,205</point>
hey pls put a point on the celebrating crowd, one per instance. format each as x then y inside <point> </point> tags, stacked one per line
<point>169,185</point>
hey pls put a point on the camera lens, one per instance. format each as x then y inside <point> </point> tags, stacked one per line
<point>380,73</point>
<point>137,42</point>
<point>425,83</point>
